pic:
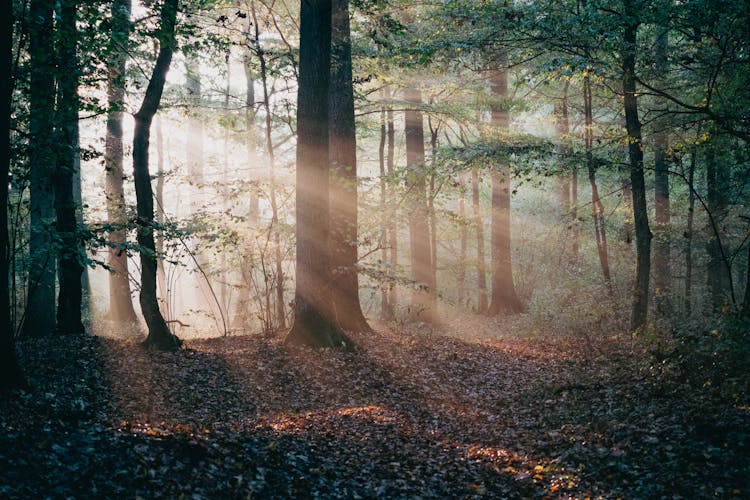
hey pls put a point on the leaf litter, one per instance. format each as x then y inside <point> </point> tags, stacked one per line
<point>413,412</point>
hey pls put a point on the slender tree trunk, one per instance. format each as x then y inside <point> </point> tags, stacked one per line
<point>392,230</point>
<point>689,235</point>
<point>504,298</point>
<point>159,335</point>
<point>479,228</point>
<point>563,131</point>
<point>419,237</point>
<point>120,299</point>
<point>464,242</point>
<point>278,260</point>
<point>745,312</point>
<point>343,157</point>
<point>383,243</point>
<point>431,195</point>
<point>71,256</point>
<point>717,184</point>
<point>161,274</point>
<point>662,257</point>
<point>11,376</point>
<point>597,207</point>
<point>639,315</point>
<point>314,319</point>
<point>40,308</point>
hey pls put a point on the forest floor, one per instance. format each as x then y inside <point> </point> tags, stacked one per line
<point>411,413</point>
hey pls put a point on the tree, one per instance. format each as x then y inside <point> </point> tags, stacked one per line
<point>39,317</point>
<point>662,275</point>
<point>639,314</point>
<point>314,318</point>
<point>159,335</point>
<point>71,267</point>
<point>343,156</point>
<point>504,299</point>
<point>120,300</point>
<point>11,376</point>
<point>422,303</point>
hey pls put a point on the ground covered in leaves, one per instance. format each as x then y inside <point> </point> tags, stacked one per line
<point>411,413</point>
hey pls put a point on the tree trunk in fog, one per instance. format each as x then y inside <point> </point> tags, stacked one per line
<point>384,306</point>
<point>504,298</point>
<point>39,317</point>
<point>343,157</point>
<point>662,254</point>
<point>392,230</point>
<point>11,376</point>
<point>479,227</point>
<point>639,314</point>
<point>431,195</point>
<point>717,185</point>
<point>71,256</point>
<point>597,207</point>
<point>274,228</point>
<point>314,318</point>
<point>464,243</point>
<point>159,335</point>
<point>194,150</point>
<point>120,299</point>
<point>419,237</point>
<point>563,131</point>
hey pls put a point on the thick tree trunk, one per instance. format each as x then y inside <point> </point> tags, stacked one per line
<point>11,376</point>
<point>597,207</point>
<point>419,237</point>
<point>662,257</point>
<point>479,228</point>
<point>343,157</point>
<point>71,256</point>
<point>314,319</point>
<point>504,298</point>
<point>120,299</point>
<point>39,317</point>
<point>159,335</point>
<point>639,315</point>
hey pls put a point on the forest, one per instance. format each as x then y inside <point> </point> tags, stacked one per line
<point>375,249</point>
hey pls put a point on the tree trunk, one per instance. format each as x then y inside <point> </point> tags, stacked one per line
<point>662,274</point>
<point>717,185</point>
<point>163,291</point>
<point>392,230</point>
<point>384,306</point>
<point>39,317</point>
<point>479,228</point>
<point>745,312</point>
<point>274,228</point>
<point>689,236</point>
<point>419,237</point>
<point>597,207</point>
<point>343,157</point>
<point>563,131</point>
<point>431,195</point>
<point>464,240</point>
<point>71,256</point>
<point>314,319</point>
<point>639,315</point>
<point>120,299</point>
<point>504,298</point>
<point>11,376</point>
<point>159,335</point>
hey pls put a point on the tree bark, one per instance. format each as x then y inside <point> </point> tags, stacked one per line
<point>343,157</point>
<point>314,319</point>
<point>120,298</point>
<point>662,257</point>
<point>419,237</point>
<point>392,230</point>
<point>384,305</point>
<point>504,299</point>
<point>71,267</point>
<point>39,319</point>
<point>717,186</point>
<point>11,376</point>
<point>159,335</point>
<point>597,207</point>
<point>639,315</point>
<point>689,235</point>
<point>479,228</point>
